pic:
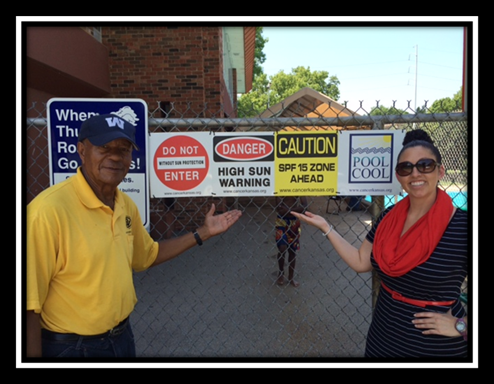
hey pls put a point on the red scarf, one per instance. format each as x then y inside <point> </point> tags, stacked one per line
<point>396,254</point>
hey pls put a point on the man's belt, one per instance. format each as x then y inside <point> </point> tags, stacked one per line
<point>115,331</point>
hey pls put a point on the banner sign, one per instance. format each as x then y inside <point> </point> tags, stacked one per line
<point>267,163</point>
<point>65,117</point>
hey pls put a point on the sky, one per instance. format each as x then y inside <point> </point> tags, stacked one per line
<point>405,64</point>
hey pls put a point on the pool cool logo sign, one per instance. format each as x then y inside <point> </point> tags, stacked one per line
<point>371,158</point>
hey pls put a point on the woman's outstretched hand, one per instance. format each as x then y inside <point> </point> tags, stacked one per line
<point>312,219</point>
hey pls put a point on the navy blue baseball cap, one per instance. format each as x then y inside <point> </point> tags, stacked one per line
<point>101,129</point>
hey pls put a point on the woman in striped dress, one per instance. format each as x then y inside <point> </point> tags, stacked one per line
<point>419,248</point>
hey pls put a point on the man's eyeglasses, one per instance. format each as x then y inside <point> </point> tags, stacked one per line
<point>423,166</point>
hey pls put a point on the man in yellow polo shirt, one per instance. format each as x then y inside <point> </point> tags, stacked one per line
<point>84,239</point>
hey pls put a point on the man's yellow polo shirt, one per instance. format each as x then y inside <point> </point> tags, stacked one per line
<point>80,257</point>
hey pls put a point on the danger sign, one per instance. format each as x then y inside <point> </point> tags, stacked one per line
<point>181,162</point>
<point>246,148</point>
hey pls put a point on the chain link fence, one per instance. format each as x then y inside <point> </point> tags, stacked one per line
<point>221,300</point>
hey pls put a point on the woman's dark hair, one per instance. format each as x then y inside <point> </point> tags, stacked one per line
<point>419,137</point>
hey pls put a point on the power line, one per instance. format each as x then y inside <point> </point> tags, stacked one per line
<point>440,65</point>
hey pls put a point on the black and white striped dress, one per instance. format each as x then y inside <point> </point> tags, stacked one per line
<point>391,333</point>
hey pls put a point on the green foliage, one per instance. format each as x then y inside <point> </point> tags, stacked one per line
<point>284,85</point>
<point>439,106</point>
<point>266,92</point>
<point>259,55</point>
<point>447,104</point>
<point>385,111</point>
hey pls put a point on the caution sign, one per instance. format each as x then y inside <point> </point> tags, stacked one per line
<point>306,163</point>
<point>181,164</point>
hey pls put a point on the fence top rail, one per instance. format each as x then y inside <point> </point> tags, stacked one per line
<point>276,122</point>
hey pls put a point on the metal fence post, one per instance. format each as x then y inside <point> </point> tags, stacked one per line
<point>375,210</point>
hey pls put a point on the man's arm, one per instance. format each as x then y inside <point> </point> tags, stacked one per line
<point>33,334</point>
<point>213,226</point>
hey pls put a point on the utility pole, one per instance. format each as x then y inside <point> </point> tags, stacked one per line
<point>269,91</point>
<point>416,69</point>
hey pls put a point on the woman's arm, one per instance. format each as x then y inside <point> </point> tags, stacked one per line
<point>437,323</point>
<point>357,258</point>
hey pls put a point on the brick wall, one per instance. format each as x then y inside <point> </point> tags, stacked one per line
<point>181,65</point>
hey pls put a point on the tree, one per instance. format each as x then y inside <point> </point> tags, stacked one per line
<point>447,104</point>
<point>259,55</point>
<point>382,111</point>
<point>449,136</point>
<point>444,105</point>
<point>266,92</point>
<point>284,85</point>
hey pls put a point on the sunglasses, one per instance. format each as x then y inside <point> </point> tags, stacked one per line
<point>423,166</point>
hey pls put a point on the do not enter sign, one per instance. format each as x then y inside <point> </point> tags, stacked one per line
<point>181,162</point>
